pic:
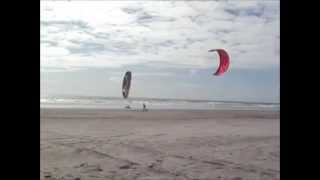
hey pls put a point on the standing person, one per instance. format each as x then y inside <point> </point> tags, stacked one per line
<point>144,107</point>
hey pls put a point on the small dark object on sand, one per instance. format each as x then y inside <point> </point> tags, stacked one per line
<point>151,165</point>
<point>127,166</point>
<point>47,176</point>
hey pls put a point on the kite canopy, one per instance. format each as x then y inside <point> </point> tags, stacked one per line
<point>126,84</point>
<point>224,61</point>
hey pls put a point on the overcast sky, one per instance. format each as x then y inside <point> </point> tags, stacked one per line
<point>86,47</point>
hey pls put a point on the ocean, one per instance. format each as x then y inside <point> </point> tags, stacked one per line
<point>151,103</point>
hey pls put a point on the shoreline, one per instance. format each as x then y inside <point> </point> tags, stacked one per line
<point>169,109</point>
<point>159,99</point>
<point>154,109</point>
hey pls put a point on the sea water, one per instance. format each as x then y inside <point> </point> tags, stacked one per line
<point>151,103</point>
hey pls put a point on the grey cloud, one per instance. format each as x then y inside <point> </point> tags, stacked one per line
<point>223,31</point>
<point>234,12</point>
<point>165,43</point>
<point>221,34</point>
<point>131,10</point>
<point>98,35</point>
<point>236,44</point>
<point>257,11</point>
<point>198,19</point>
<point>145,17</point>
<point>148,18</point>
<point>149,46</point>
<point>193,40</point>
<point>193,18</point>
<point>67,24</point>
<point>88,48</point>
<point>124,47</point>
<point>85,47</point>
<point>51,43</point>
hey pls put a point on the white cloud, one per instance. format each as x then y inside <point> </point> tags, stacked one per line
<point>80,34</point>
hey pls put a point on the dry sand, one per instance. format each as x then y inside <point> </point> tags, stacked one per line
<point>159,145</point>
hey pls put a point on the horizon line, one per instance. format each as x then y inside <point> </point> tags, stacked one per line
<point>159,98</point>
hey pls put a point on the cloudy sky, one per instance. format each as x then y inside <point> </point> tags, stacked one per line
<point>86,47</point>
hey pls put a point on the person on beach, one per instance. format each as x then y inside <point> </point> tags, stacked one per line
<point>144,107</point>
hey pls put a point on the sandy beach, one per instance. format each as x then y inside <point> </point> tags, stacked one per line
<point>93,144</point>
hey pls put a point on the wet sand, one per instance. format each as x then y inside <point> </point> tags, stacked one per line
<point>95,144</point>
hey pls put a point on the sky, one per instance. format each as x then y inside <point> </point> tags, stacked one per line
<point>87,46</point>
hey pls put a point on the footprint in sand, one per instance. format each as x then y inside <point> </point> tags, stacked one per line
<point>237,178</point>
<point>47,175</point>
<point>86,168</point>
<point>126,166</point>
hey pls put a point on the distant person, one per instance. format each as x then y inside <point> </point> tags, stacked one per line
<point>144,107</point>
